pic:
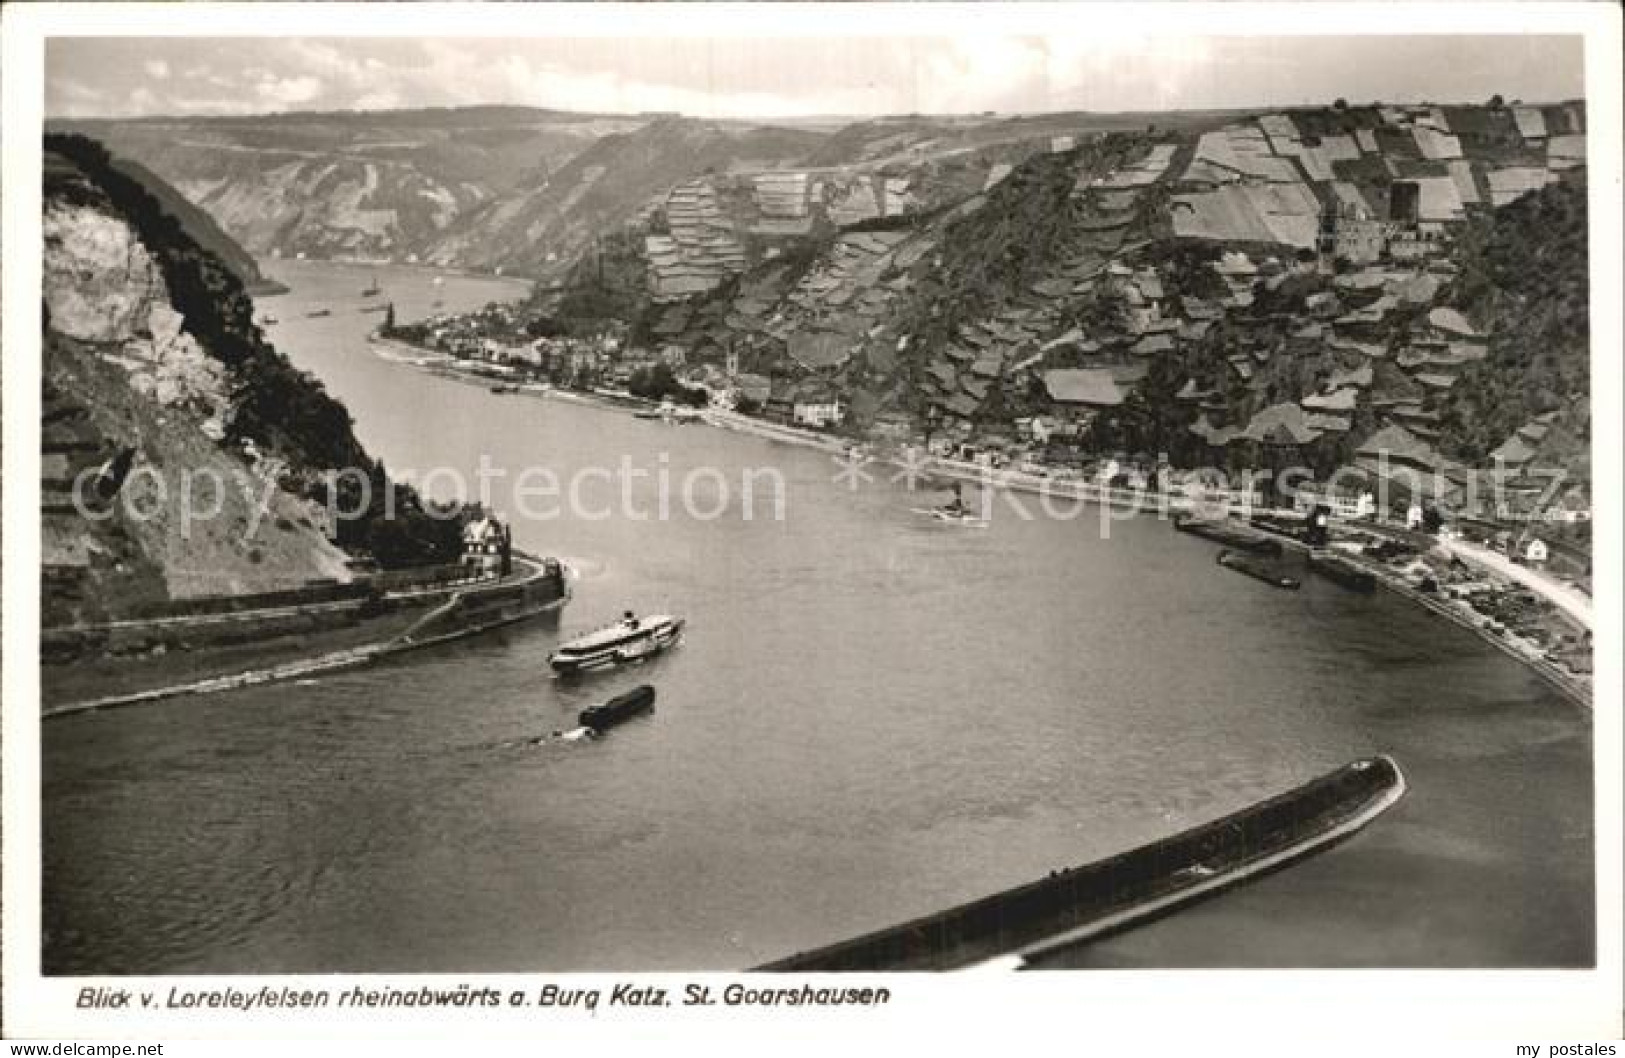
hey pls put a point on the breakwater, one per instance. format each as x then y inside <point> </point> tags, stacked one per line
<point>1078,903</point>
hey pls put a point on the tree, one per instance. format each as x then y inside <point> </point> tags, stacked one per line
<point>1340,104</point>
<point>1496,102</point>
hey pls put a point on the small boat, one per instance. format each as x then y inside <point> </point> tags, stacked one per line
<point>954,512</point>
<point>630,639</point>
<point>319,312</point>
<point>950,516</point>
<point>374,290</point>
<point>1335,567</point>
<point>268,321</point>
<point>1267,572</point>
<point>600,718</point>
<point>374,308</point>
<point>666,411</point>
<point>505,387</point>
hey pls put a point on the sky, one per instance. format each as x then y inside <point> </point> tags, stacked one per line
<point>768,77</point>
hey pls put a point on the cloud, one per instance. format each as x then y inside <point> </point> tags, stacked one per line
<point>383,99</point>
<point>1101,68</point>
<point>981,73</point>
<point>286,91</point>
<point>75,91</point>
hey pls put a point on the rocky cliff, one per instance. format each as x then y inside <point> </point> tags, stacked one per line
<point>135,413</point>
<point>182,455</point>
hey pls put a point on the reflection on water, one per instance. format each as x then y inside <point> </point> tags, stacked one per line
<point>870,718</point>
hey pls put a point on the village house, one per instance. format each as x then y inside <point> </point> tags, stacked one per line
<point>752,390</point>
<point>1078,394</point>
<point>818,406</point>
<point>487,544</point>
<point>892,426</point>
<point>1358,237</point>
<point>1573,508</point>
<point>1344,501</point>
<point>1415,245</point>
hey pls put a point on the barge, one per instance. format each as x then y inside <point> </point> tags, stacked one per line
<point>618,710</point>
<point>1293,527</point>
<point>1231,534</point>
<point>1077,904</point>
<point>1268,572</point>
<point>1336,568</point>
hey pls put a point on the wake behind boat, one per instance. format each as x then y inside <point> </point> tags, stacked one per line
<point>630,639</point>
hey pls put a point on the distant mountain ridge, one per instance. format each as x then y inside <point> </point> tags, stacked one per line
<point>352,185</point>
<point>520,189</point>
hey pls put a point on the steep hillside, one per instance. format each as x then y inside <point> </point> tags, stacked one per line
<point>527,191</point>
<point>1341,288</point>
<point>1320,285</point>
<point>182,454</point>
<point>384,186</point>
<point>717,196</point>
<point>539,226</point>
<point>201,228</point>
<point>893,139</point>
<point>1524,279</point>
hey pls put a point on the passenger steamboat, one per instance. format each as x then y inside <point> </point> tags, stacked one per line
<point>629,639</point>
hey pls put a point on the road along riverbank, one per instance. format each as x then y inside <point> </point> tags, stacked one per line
<point>537,588</point>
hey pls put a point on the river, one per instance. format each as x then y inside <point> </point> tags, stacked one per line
<point>873,716</point>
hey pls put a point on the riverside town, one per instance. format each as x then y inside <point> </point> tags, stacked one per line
<point>1035,520</point>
